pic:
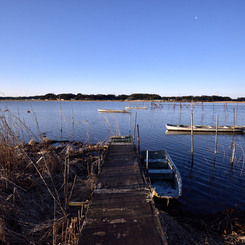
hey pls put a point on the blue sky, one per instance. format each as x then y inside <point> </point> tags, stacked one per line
<point>167,47</point>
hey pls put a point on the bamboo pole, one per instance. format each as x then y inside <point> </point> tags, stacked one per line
<point>60,116</point>
<point>233,153</point>
<point>138,138</point>
<point>135,125</point>
<point>129,124</point>
<point>191,128</point>
<point>147,161</point>
<point>216,135</point>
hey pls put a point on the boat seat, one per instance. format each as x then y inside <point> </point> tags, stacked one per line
<point>157,163</point>
<point>161,174</point>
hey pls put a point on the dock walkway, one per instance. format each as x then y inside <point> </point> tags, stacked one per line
<point>121,209</point>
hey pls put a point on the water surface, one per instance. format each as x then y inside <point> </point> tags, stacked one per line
<point>210,181</point>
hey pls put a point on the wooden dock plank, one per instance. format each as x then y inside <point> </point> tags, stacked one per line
<point>121,209</point>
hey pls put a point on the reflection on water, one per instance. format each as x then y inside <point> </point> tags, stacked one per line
<point>210,180</point>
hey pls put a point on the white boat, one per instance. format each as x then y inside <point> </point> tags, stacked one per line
<point>113,111</point>
<point>204,128</point>
<point>163,176</point>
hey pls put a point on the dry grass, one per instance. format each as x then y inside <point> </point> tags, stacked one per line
<point>189,228</point>
<point>37,182</point>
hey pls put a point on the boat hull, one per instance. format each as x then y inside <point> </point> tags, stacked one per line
<point>203,128</point>
<point>162,175</point>
<point>112,111</point>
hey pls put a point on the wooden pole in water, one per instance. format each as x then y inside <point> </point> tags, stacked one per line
<point>138,138</point>
<point>60,117</point>
<point>147,161</point>
<point>191,128</point>
<point>129,124</point>
<point>216,135</point>
<point>233,153</point>
<point>72,119</point>
<point>135,125</point>
<point>234,118</point>
<point>191,119</point>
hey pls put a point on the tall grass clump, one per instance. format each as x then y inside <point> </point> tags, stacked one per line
<point>38,180</point>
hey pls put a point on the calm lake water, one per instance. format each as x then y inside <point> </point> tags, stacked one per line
<point>210,182</point>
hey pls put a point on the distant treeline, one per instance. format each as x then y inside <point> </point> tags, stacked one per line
<point>79,96</point>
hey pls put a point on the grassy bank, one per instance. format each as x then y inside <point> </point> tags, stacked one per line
<point>189,228</point>
<point>38,181</point>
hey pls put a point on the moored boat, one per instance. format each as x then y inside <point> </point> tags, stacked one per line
<point>204,128</point>
<point>162,174</point>
<point>113,111</point>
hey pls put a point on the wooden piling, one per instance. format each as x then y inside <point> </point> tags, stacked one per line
<point>147,161</point>
<point>138,138</point>
<point>191,118</point>
<point>192,129</point>
<point>233,153</point>
<point>129,130</point>
<point>60,117</point>
<point>216,135</point>
<point>134,125</point>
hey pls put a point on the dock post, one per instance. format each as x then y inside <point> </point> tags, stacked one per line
<point>60,117</point>
<point>216,135</point>
<point>191,129</point>
<point>129,123</point>
<point>135,125</point>
<point>138,138</point>
<point>146,164</point>
<point>233,153</point>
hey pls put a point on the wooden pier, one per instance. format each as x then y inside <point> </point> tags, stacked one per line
<point>121,209</point>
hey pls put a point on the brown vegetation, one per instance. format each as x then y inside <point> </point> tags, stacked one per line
<point>37,182</point>
<point>185,227</point>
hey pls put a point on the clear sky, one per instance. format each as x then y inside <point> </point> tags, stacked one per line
<point>167,47</point>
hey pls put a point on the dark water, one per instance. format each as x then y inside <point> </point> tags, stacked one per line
<point>210,182</point>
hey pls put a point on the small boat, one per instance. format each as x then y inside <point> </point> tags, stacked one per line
<point>113,111</point>
<point>204,128</point>
<point>162,175</point>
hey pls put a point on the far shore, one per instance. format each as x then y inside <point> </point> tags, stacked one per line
<point>142,101</point>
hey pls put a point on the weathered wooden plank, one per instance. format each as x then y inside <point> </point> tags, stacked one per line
<point>121,209</point>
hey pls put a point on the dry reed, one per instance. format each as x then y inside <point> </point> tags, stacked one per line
<point>37,182</point>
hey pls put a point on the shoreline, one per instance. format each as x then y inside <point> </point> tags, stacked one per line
<point>141,101</point>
